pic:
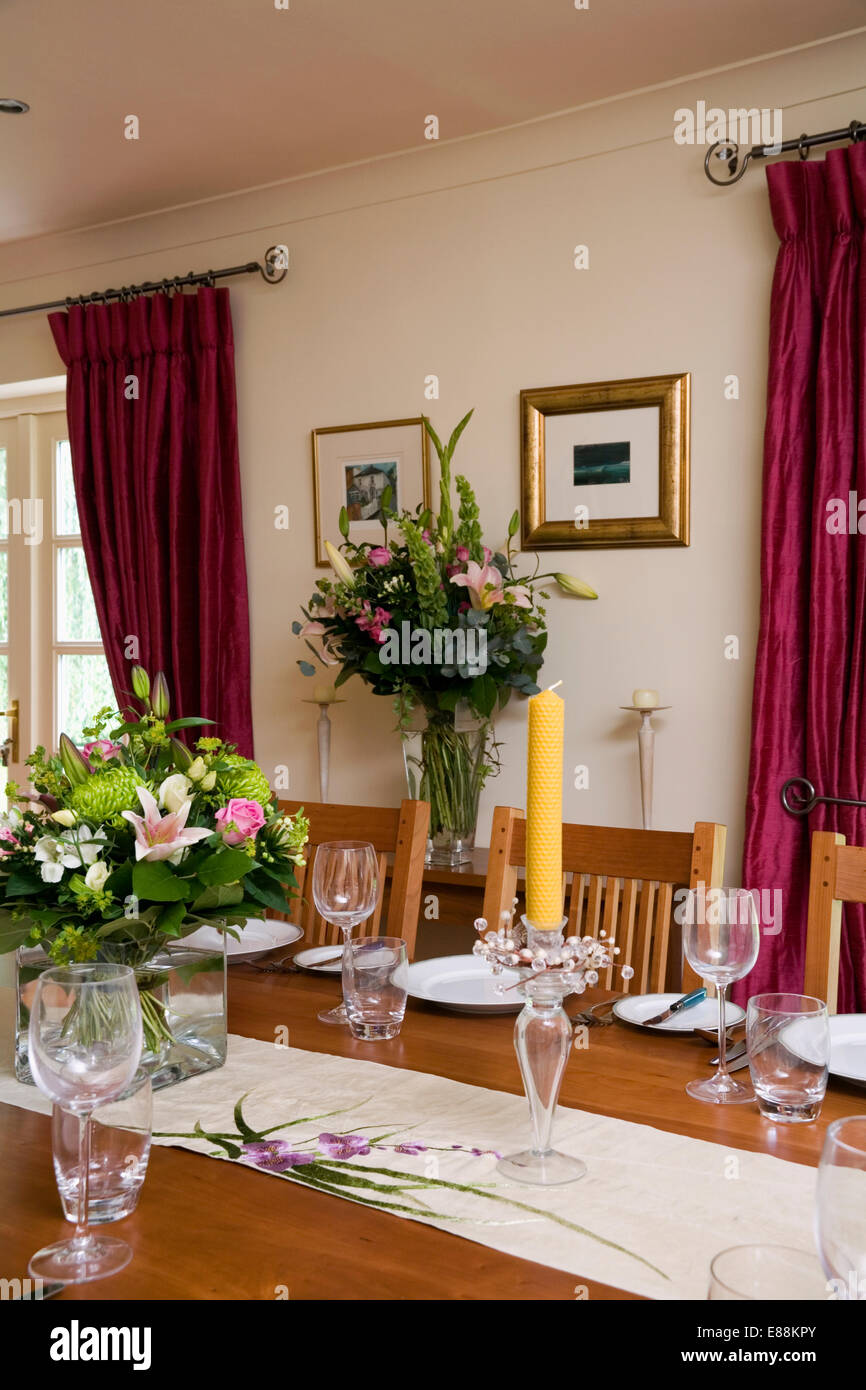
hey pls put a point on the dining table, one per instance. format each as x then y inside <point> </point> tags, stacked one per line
<point>210,1231</point>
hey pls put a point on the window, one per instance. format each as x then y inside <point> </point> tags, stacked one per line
<point>51,655</point>
<point>81,680</point>
<point>4,589</point>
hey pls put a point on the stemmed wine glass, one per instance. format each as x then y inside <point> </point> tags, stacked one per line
<point>721,937</point>
<point>84,1050</point>
<point>345,891</point>
<point>840,1209</point>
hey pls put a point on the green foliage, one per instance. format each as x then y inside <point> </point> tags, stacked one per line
<point>469,528</point>
<point>432,604</point>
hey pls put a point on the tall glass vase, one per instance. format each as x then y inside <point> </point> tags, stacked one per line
<point>182,990</point>
<point>448,758</point>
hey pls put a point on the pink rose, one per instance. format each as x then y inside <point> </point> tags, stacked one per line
<point>104,747</point>
<point>462,554</point>
<point>373,622</point>
<point>379,555</point>
<point>240,820</point>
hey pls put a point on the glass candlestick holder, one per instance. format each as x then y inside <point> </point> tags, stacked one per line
<point>550,968</point>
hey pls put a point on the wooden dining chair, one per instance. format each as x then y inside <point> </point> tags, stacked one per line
<point>622,882</point>
<point>837,875</point>
<point>402,833</point>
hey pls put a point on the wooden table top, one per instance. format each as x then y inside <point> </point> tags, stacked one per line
<point>207,1230</point>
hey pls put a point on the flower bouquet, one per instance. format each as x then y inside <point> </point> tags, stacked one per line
<point>134,841</point>
<point>443,624</point>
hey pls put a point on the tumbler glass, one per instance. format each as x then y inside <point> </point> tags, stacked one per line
<point>375,984</point>
<point>788,1040</point>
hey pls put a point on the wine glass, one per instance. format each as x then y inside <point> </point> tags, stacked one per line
<point>345,892</point>
<point>840,1207</point>
<point>721,936</point>
<point>84,1049</point>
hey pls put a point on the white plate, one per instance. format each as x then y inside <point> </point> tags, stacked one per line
<point>310,957</point>
<point>635,1008</point>
<point>464,984</point>
<point>848,1046</point>
<point>259,935</point>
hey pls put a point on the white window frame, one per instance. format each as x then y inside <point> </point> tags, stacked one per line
<point>31,427</point>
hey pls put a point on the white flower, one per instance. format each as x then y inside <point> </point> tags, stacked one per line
<point>81,846</point>
<point>197,769</point>
<point>48,853</point>
<point>174,792</point>
<point>96,875</point>
<point>64,817</point>
<point>71,850</point>
<point>208,782</point>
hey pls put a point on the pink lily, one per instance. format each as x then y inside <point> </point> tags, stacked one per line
<point>484,583</point>
<point>161,837</point>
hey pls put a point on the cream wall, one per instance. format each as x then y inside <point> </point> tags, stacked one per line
<point>457,260</point>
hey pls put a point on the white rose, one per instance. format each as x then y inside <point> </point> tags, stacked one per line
<point>96,875</point>
<point>174,792</point>
<point>64,817</point>
<point>208,782</point>
<point>197,769</point>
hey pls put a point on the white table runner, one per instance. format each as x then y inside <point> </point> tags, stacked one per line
<point>423,1147</point>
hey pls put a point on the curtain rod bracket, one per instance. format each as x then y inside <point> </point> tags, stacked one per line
<point>276,266</point>
<point>728,151</point>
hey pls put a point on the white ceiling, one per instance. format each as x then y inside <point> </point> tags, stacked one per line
<point>231,94</point>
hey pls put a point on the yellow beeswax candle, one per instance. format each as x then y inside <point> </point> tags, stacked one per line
<point>544,811</point>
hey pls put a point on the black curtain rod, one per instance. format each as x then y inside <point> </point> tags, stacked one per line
<point>273,271</point>
<point>728,151</point>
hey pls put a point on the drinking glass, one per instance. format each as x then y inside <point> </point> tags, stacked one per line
<point>345,892</point>
<point>120,1134</point>
<point>375,984</point>
<point>721,939</point>
<point>788,1039</point>
<point>840,1207</point>
<point>84,1050</point>
<point>774,1273</point>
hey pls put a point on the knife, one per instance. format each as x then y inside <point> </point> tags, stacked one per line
<point>696,997</point>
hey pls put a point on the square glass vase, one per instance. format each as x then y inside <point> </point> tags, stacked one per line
<point>183,993</point>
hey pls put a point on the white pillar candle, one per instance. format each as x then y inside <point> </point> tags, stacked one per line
<point>645,699</point>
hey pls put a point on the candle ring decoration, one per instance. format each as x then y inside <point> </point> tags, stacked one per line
<point>550,969</point>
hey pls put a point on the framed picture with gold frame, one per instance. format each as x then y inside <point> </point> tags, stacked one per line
<point>606,464</point>
<point>352,467</point>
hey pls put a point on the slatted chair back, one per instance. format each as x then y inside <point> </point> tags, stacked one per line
<point>620,882</point>
<point>402,833</point>
<point>837,875</point>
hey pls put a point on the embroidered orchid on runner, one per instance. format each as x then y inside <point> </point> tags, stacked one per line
<point>329,1162</point>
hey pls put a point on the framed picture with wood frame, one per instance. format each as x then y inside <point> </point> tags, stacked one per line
<point>352,467</point>
<point>606,464</point>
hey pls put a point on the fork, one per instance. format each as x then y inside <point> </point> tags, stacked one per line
<point>588,1016</point>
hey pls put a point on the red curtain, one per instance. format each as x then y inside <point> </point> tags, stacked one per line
<point>153,435</point>
<point>809,710</point>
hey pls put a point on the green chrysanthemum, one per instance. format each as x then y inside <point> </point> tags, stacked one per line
<point>243,778</point>
<point>106,794</point>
